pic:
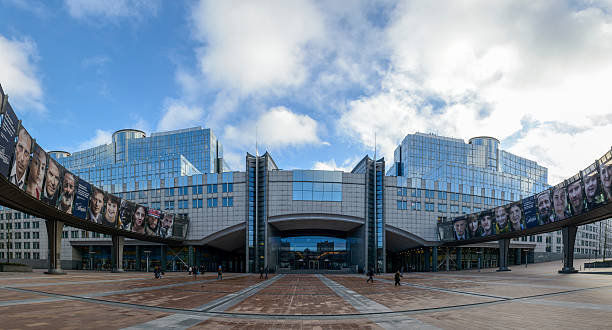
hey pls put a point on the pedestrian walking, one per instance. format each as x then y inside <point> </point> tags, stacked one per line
<point>190,270</point>
<point>370,276</point>
<point>195,272</point>
<point>267,270</point>
<point>220,273</point>
<point>261,271</point>
<point>397,278</point>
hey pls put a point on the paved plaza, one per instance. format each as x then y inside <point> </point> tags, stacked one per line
<point>536,297</point>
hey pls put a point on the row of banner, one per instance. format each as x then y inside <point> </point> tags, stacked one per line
<point>25,164</point>
<point>585,191</point>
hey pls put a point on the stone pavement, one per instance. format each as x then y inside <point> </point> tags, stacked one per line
<point>525,298</point>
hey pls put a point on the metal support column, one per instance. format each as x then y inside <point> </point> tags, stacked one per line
<point>138,257</point>
<point>162,257</point>
<point>191,256</point>
<point>569,238</point>
<point>518,257</point>
<point>427,263</point>
<point>117,254</point>
<point>435,258</point>
<point>504,244</point>
<point>459,259</point>
<point>54,236</point>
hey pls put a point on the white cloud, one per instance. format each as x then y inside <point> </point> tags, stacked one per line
<point>19,75</point>
<point>179,115</point>
<point>276,128</point>
<point>465,69</point>
<point>35,7</point>
<point>112,9</point>
<point>330,165</point>
<point>254,46</point>
<point>101,137</point>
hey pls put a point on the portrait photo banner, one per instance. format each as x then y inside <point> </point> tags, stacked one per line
<point>8,132</point>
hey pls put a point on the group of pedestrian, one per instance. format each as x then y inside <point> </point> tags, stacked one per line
<point>262,271</point>
<point>158,272</point>
<point>397,277</point>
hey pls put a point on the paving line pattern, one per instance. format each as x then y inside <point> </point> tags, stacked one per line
<point>433,288</point>
<point>224,303</point>
<point>366,305</point>
<point>184,321</point>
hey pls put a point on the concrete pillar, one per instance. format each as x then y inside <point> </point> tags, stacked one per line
<point>427,263</point>
<point>569,238</point>
<point>434,258</point>
<point>504,244</point>
<point>117,254</point>
<point>54,237</point>
<point>459,259</point>
<point>138,257</point>
<point>162,257</point>
<point>191,256</point>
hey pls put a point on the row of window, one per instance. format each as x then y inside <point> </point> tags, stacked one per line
<point>428,193</point>
<point>18,225</point>
<point>20,235</point>
<point>429,207</point>
<point>18,245</point>
<point>18,255</point>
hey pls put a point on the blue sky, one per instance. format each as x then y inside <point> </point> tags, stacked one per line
<point>318,79</point>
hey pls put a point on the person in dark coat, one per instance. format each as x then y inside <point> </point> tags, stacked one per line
<point>397,278</point>
<point>370,276</point>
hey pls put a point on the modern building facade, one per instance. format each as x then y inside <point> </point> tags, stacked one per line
<point>295,220</point>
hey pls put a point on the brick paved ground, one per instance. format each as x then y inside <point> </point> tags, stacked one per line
<point>532,297</point>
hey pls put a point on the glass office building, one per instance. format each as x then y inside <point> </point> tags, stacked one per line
<point>292,220</point>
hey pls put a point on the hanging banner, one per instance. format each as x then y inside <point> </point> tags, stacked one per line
<point>125,215</point>
<point>111,210</point>
<point>21,158</point>
<point>166,225</point>
<point>36,173</point>
<point>140,214</point>
<point>8,132</point>
<point>66,197</point>
<point>530,212</point>
<point>81,199</point>
<point>52,182</point>
<point>96,205</point>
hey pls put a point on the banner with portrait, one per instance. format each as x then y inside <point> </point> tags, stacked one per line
<point>460,228</point>
<point>515,214</point>
<point>593,188</point>
<point>96,205</point>
<point>126,210</point>
<point>81,199</point>
<point>8,132</point>
<point>139,218</point>
<point>561,207</point>
<point>67,192</point>
<point>21,158</point>
<point>605,175</point>
<point>36,172</point>
<point>152,223</point>
<point>544,204</point>
<point>111,210</point>
<point>167,222</point>
<point>52,182</point>
<point>576,197</point>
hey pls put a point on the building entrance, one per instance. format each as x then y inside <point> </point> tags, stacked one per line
<point>313,253</point>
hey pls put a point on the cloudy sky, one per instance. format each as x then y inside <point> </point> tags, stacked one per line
<point>318,78</point>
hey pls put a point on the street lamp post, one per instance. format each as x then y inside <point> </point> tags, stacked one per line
<point>147,252</point>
